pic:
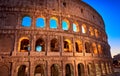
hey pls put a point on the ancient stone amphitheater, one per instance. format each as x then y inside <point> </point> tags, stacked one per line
<point>52,38</point>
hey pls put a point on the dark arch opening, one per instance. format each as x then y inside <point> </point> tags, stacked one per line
<point>66,46</point>
<point>77,46</point>
<point>80,69</point>
<point>22,71</point>
<point>39,70</point>
<point>87,47</point>
<point>69,70</point>
<point>54,45</point>
<point>40,45</point>
<point>55,70</point>
<point>25,45</point>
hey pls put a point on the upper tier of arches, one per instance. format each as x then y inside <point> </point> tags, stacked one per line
<point>68,8</point>
<point>65,24</point>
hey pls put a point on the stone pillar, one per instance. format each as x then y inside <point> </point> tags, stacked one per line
<point>63,68</point>
<point>15,45</point>
<point>62,45</point>
<point>33,41</point>
<point>75,68</point>
<point>14,70</point>
<point>48,44</point>
<point>83,43</point>
<point>32,68</point>
<point>74,47</point>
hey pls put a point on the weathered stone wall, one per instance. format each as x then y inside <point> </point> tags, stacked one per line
<point>11,31</point>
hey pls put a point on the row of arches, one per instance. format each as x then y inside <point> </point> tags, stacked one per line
<point>55,45</point>
<point>55,70</point>
<point>66,25</point>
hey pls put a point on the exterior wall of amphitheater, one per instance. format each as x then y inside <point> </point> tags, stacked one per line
<point>96,62</point>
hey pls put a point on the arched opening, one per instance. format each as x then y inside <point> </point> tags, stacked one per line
<point>107,68</point>
<point>75,27</point>
<point>103,68</point>
<point>22,71</point>
<point>40,23</point>
<point>55,70</point>
<point>91,31</point>
<point>78,46</point>
<point>90,69</point>
<point>54,45</point>
<point>65,25</point>
<point>99,49</point>
<point>96,33</point>
<point>94,48</point>
<point>80,69</point>
<point>110,67</point>
<point>69,70</point>
<point>67,46</point>
<point>24,45</point>
<point>98,70</point>
<point>26,21</point>
<point>53,22</point>
<point>87,47</point>
<point>39,70</point>
<point>40,45</point>
<point>84,29</point>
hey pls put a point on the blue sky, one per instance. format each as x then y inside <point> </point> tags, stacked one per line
<point>110,11</point>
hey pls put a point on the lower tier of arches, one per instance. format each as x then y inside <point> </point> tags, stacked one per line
<point>53,67</point>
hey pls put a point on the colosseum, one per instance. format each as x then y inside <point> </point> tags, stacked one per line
<point>52,38</point>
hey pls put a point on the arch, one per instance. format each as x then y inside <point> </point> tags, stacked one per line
<point>65,24</point>
<point>40,45</point>
<point>96,33</point>
<point>67,45</point>
<point>54,45</point>
<point>99,49</point>
<point>75,27</point>
<point>98,70</point>
<point>90,69</point>
<point>53,22</point>
<point>22,71</point>
<point>26,21</point>
<point>94,48</point>
<point>24,44</point>
<point>78,46</point>
<point>80,69</point>
<point>69,71</point>
<point>40,22</point>
<point>55,71</point>
<point>103,68</point>
<point>4,70</point>
<point>107,68</point>
<point>87,47</point>
<point>91,31</point>
<point>110,67</point>
<point>84,28</point>
<point>39,70</point>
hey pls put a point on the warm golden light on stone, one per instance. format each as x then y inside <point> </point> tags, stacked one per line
<point>52,38</point>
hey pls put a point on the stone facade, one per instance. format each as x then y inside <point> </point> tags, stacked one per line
<point>75,53</point>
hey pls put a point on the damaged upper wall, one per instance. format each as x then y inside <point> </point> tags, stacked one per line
<point>66,8</point>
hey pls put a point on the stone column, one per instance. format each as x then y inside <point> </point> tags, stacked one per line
<point>74,47</point>
<point>62,45</point>
<point>15,45</point>
<point>32,68</point>
<point>14,70</point>
<point>48,44</point>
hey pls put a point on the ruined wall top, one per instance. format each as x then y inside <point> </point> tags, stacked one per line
<point>68,8</point>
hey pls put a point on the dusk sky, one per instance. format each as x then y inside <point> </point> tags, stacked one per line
<point>110,11</point>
